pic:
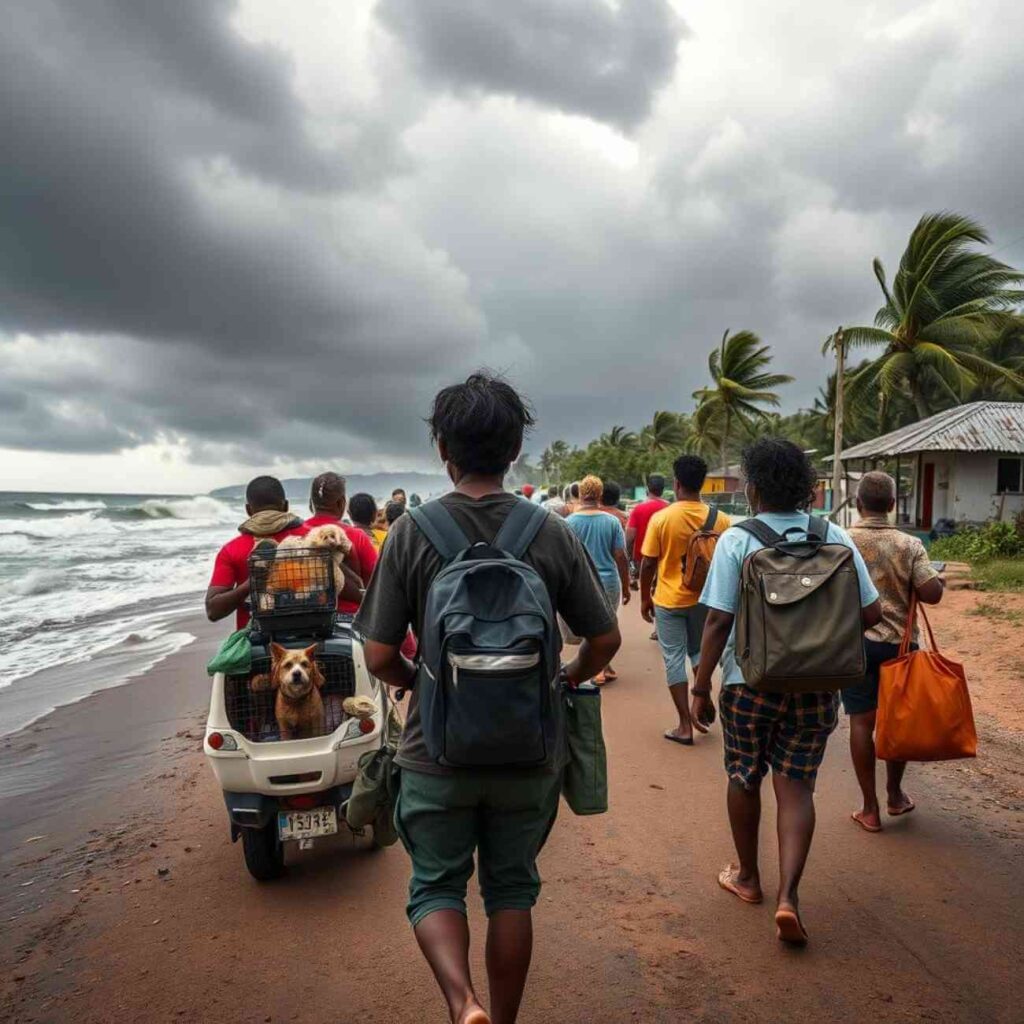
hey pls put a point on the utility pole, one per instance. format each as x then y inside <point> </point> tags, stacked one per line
<point>837,448</point>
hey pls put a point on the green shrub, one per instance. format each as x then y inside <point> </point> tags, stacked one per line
<point>1000,574</point>
<point>979,544</point>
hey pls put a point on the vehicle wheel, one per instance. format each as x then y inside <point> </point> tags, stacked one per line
<point>264,852</point>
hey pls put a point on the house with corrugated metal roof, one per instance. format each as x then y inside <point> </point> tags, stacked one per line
<point>964,464</point>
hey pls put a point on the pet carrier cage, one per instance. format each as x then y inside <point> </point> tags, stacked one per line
<point>250,708</point>
<point>292,591</point>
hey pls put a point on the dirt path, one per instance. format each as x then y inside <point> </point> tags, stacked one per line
<point>922,922</point>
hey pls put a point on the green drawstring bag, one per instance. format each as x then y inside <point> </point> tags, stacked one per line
<point>373,796</point>
<point>234,656</point>
<point>585,781</point>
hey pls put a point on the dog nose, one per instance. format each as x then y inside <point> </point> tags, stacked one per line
<point>296,676</point>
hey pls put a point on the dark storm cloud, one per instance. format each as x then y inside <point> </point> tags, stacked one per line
<point>582,56</point>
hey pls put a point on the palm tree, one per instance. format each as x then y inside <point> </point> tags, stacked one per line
<point>667,432</point>
<point>740,384</point>
<point>947,304</point>
<point>619,437</point>
<point>559,451</point>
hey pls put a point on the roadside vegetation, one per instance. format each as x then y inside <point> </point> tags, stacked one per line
<point>949,331</point>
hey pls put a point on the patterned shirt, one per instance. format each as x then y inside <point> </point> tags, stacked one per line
<point>898,563</point>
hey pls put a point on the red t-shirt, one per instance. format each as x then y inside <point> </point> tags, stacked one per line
<point>231,566</point>
<point>639,518</point>
<point>364,549</point>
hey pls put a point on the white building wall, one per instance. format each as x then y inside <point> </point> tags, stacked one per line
<point>973,489</point>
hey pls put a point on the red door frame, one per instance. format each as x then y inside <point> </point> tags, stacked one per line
<point>927,495</point>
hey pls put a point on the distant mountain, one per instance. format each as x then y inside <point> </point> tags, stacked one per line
<point>380,485</point>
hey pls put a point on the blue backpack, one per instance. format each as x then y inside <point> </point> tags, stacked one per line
<point>489,647</point>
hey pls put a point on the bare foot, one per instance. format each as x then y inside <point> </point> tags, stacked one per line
<point>870,821</point>
<point>473,1013</point>
<point>610,674</point>
<point>788,926</point>
<point>748,890</point>
<point>900,804</point>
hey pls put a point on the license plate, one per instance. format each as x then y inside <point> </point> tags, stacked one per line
<point>320,821</point>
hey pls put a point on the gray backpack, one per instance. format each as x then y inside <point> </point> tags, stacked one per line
<point>489,647</point>
<point>798,626</point>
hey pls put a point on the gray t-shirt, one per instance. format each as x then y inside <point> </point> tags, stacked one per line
<point>397,593</point>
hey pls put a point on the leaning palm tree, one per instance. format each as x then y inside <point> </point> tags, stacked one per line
<point>740,384</point>
<point>619,437</point>
<point>559,453</point>
<point>947,305</point>
<point>667,432</point>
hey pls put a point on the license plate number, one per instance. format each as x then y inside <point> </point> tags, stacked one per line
<point>320,821</point>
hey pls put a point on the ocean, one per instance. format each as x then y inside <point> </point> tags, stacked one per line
<point>93,589</point>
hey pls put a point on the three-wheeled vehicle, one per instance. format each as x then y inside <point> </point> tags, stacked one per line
<point>280,792</point>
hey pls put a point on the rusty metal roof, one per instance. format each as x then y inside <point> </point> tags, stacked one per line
<point>975,427</point>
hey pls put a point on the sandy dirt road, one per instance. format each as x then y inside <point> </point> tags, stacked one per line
<point>922,922</point>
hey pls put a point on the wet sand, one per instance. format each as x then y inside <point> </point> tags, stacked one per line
<point>922,922</point>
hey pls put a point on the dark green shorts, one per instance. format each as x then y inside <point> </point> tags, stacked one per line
<point>504,816</point>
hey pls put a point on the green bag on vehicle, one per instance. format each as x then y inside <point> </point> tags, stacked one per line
<point>234,656</point>
<point>373,796</point>
<point>585,781</point>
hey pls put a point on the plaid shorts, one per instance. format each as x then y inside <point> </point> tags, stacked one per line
<point>784,731</point>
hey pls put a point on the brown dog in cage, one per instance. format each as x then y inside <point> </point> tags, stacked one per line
<point>296,678</point>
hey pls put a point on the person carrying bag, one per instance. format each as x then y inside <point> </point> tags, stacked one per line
<point>585,781</point>
<point>924,708</point>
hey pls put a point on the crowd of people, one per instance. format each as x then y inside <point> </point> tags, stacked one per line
<point>591,555</point>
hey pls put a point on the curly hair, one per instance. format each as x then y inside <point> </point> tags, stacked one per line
<point>783,475</point>
<point>591,488</point>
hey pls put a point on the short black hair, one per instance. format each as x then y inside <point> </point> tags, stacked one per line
<point>783,475</point>
<point>876,491</point>
<point>611,495</point>
<point>481,422</point>
<point>553,491</point>
<point>393,510</point>
<point>326,489</point>
<point>690,471</point>
<point>398,490</point>
<point>574,489</point>
<point>265,492</point>
<point>656,484</point>
<point>362,509</point>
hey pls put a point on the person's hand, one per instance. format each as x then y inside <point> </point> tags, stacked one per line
<point>647,608</point>
<point>625,597</point>
<point>702,711</point>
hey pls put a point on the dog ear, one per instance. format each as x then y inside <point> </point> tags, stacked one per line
<point>316,676</point>
<point>277,652</point>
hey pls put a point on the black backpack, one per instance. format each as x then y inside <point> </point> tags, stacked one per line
<point>489,647</point>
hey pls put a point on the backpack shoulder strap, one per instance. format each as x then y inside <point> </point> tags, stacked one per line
<point>817,528</point>
<point>762,531</point>
<point>438,525</point>
<point>520,527</point>
<point>709,523</point>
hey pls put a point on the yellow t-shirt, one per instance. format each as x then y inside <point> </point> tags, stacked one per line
<point>668,533</point>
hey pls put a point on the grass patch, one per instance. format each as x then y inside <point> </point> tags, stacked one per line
<point>996,612</point>
<point>999,574</point>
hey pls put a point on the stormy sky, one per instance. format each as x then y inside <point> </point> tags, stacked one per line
<point>254,235</point>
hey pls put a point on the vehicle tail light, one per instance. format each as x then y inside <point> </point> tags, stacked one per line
<point>302,802</point>
<point>215,740</point>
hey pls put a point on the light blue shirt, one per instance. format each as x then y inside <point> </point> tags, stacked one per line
<point>722,588</point>
<point>602,536</point>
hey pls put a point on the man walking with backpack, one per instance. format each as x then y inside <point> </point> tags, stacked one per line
<point>800,597</point>
<point>480,576</point>
<point>677,549</point>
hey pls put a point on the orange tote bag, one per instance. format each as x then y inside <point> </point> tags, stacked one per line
<point>924,709</point>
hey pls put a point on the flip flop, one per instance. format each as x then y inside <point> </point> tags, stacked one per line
<point>725,880</point>
<point>679,739</point>
<point>610,675</point>
<point>789,928</point>
<point>895,812</point>
<point>600,679</point>
<point>856,816</point>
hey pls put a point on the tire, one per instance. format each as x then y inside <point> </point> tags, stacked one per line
<point>264,853</point>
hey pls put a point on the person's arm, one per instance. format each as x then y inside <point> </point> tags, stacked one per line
<point>870,605</point>
<point>717,627</point>
<point>353,588</point>
<point>593,655</point>
<point>931,591</point>
<point>871,614</point>
<point>630,537</point>
<point>387,663</point>
<point>648,569</point>
<point>622,564</point>
<point>222,601</point>
<point>928,584</point>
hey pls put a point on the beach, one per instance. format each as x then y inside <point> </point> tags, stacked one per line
<point>123,898</point>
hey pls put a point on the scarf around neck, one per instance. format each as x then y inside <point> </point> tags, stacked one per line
<point>268,522</point>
